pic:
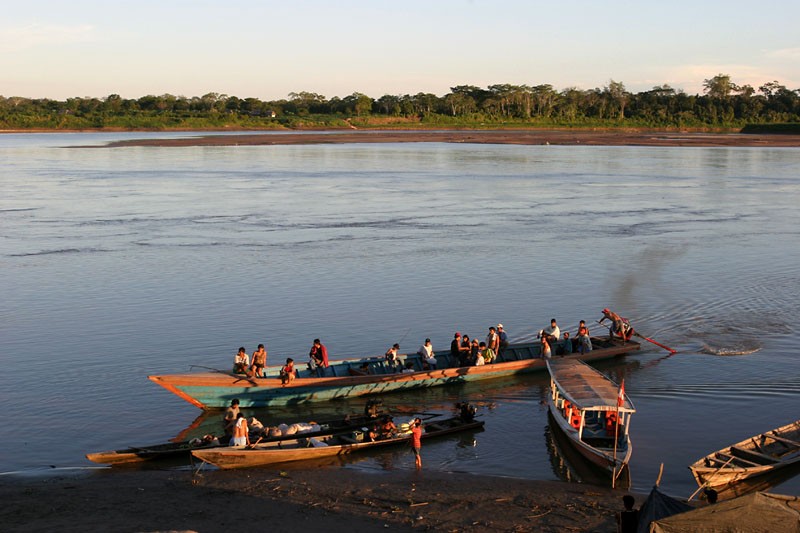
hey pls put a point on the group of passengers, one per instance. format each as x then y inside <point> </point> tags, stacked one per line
<point>463,350</point>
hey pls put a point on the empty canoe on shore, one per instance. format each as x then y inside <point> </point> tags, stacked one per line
<point>329,446</point>
<point>758,455</point>
<point>210,390</point>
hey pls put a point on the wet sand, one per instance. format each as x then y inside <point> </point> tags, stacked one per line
<point>522,137</point>
<point>313,500</point>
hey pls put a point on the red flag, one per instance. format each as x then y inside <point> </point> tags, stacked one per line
<point>621,395</point>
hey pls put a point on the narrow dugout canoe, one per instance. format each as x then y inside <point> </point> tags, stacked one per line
<point>329,446</point>
<point>213,390</point>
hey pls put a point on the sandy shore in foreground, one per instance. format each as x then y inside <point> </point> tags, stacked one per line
<point>523,137</point>
<point>314,500</point>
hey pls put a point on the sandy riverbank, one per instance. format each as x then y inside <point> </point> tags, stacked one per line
<point>315,500</point>
<point>522,137</point>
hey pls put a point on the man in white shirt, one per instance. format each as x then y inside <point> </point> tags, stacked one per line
<point>426,352</point>
<point>553,333</point>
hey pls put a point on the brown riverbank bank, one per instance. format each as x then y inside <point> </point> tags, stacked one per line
<point>520,137</point>
<point>324,500</point>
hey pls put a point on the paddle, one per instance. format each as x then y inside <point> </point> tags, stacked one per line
<point>648,339</point>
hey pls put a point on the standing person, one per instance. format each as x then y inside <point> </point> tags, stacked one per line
<point>503,344</point>
<point>466,351</point>
<point>628,520</point>
<point>553,332</point>
<point>620,327</point>
<point>241,434</point>
<point>241,362</point>
<point>259,361</point>
<point>455,349</point>
<point>584,340</point>
<point>319,353</point>
<point>492,341</point>
<point>231,414</point>
<point>426,352</point>
<point>391,356</point>
<point>416,441</point>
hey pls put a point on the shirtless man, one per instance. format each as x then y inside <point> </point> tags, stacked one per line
<point>259,361</point>
<point>241,433</point>
<point>231,413</point>
<point>619,326</point>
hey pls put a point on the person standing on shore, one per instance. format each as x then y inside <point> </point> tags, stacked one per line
<point>241,433</point>
<point>416,442</point>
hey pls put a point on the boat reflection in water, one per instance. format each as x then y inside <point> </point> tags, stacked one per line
<point>569,465</point>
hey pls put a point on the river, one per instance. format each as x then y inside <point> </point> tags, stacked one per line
<point>125,262</point>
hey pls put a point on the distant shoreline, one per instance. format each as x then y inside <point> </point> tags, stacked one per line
<point>559,137</point>
<point>519,137</point>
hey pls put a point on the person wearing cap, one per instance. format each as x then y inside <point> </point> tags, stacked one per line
<point>426,353</point>
<point>503,344</point>
<point>620,327</point>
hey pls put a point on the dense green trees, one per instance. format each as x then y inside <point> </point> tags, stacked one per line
<point>724,104</point>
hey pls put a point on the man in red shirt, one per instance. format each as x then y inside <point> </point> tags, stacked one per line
<point>416,441</point>
<point>319,353</point>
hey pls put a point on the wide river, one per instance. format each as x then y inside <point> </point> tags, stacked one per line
<point>117,263</point>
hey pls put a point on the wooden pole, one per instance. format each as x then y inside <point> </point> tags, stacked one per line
<point>705,483</point>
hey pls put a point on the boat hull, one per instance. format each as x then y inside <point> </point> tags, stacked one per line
<point>236,458</point>
<point>210,390</point>
<point>760,455</point>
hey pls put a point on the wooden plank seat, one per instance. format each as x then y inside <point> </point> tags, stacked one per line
<point>758,456</point>
<point>724,457</point>
<point>784,440</point>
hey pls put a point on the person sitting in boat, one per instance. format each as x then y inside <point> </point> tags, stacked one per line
<point>259,361</point>
<point>241,435</point>
<point>566,345</point>
<point>409,368</point>
<point>474,349</point>
<point>391,356</point>
<point>620,327</point>
<point>486,352</point>
<point>479,361</point>
<point>552,332</point>
<point>319,354</point>
<point>241,362</point>
<point>288,372</point>
<point>363,370</point>
<point>584,341</point>
<point>387,429</point>
<point>426,352</point>
<point>546,352</point>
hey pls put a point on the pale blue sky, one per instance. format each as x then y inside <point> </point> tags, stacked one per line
<point>267,49</point>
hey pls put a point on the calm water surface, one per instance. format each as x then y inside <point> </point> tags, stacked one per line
<point>119,263</point>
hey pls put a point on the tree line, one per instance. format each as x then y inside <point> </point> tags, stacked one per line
<point>723,104</point>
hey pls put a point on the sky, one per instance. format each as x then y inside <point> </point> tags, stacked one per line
<point>268,49</point>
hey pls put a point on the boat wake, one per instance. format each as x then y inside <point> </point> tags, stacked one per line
<point>726,351</point>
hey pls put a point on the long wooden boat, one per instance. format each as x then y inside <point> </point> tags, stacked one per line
<point>213,390</point>
<point>755,456</point>
<point>585,408</point>
<point>171,450</point>
<point>329,446</point>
